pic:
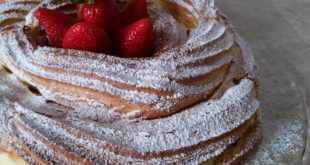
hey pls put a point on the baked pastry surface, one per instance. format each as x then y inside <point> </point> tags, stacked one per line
<point>196,100</point>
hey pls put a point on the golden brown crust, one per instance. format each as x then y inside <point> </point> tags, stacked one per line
<point>180,12</point>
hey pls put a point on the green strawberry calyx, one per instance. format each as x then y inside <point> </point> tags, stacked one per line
<point>90,2</point>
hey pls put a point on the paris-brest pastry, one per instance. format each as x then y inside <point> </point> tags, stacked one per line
<point>194,100</point>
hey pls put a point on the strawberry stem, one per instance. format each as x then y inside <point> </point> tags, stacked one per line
<point>90,2</point>
<point>77,1</point>
<point>80,8</point>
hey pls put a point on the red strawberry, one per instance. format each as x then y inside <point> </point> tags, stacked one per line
<point>103,13</point>
<point>136,40</point>
<point>55,24</point>
<point>134,12</point>
<point>83,36</point>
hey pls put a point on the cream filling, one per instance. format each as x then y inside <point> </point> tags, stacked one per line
<point>11,159</point>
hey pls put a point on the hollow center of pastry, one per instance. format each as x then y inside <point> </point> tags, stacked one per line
<point>169,30</point>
